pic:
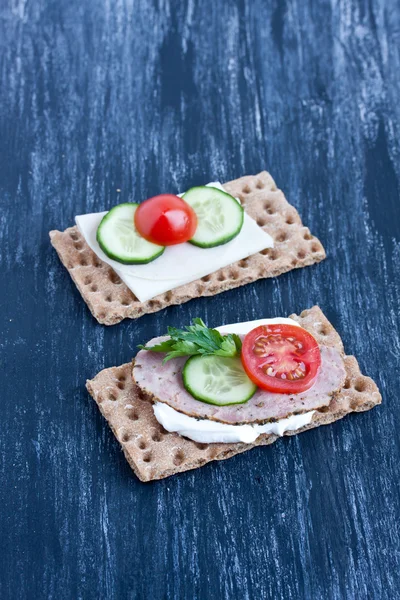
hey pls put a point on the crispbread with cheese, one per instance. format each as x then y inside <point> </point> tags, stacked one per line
<point>111,301</point>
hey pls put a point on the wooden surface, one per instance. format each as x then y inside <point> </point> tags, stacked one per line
<point>103,102</point>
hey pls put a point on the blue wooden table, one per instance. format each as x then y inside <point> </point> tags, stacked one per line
<point>104,102</point>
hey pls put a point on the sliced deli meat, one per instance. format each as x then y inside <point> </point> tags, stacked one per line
<point>163,383</point>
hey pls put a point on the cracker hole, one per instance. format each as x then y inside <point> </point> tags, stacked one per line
<point>74,236</point>
<point>97,264</point>
<point>142,445</point>
<point>206,279</point>
<point>246,190</point>
<point>323,409</point>
<point>282,236</point>
<point>259,184</point>
<point>360,385</point>
<point>243,264</point>
<point>87,280</point>
<point>121,385</point>
<point>200,446</point>
<point>154,304</point>
<point>108,298</point>
<point>102,316</point>
<point>83,262</point>
<point>157,436</point>
<point>221,277</point>
<point>114,278</point>
<point>301,254</point>
<point>233,274</point>
<point>133,415</point>
<point>147,457</point>
<point>141,395</point>
<point>315,248</point>
<point>94,288</point>
<point>199,289</point>
<point>267,205</point>
<point>112,397</point>
<point>212,452</point>
<point>307,236</point>
<point>179,458</point>
<point>290,220</point>
<point>347,384</point>
<point>125,301</point>
<point>122,378</point>
<point>78,245</point>
<point>168,297</point>
<point>274,254</point>
<point>270,211</point>
<point>304,313</point>
<point>322,330</point>
<point>271,253</point>
<point>125,437</point>
<point>261,222</point>
<point>294,262</point>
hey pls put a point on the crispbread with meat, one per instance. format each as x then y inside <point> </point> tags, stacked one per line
<point>154,453</point>
<point>111,301</point>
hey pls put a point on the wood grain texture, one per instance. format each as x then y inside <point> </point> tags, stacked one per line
<point>103,102</point>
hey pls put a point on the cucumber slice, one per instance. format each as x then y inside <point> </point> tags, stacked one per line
<point>220,216</point>
<point>118,238</point>
<point>217,380</point>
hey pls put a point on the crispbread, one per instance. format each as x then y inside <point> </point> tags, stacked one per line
<point>154,453</point>
<point>111,301</point>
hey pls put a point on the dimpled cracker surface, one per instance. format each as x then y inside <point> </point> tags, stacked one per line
<point>111,301</point>
<point>153,453</point>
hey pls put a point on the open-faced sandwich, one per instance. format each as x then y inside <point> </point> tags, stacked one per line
<point>138,258</point>
<point>200,394</point>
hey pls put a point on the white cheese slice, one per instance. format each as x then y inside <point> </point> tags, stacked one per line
<point>179,264</point>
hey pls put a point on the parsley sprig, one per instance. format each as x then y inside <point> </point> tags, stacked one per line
<point>197,339</point>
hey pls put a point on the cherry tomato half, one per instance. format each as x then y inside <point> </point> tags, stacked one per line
<point>165,220</point>
<point>281,358</point>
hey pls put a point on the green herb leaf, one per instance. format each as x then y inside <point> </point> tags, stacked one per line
<point>163,347</point>
<point>197,339</point>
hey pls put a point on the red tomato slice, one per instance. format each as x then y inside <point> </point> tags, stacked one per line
<point>166,220</point>
<point>281,358</point>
